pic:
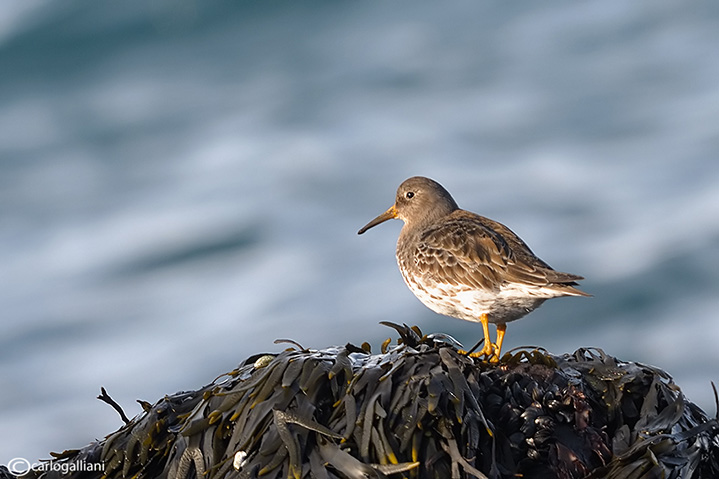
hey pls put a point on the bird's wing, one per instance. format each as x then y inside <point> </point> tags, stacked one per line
<point>523,255</point>
<point>465,251</point>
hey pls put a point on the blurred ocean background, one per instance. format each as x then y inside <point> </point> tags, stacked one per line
<point>181,183</point>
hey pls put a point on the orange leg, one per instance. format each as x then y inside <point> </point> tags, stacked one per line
<point>501,329</point>
<point>489,347</point>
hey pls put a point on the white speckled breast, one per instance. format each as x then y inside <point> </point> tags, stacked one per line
<point>508,303</point>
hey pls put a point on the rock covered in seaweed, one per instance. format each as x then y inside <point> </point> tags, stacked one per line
<point>421,410</point>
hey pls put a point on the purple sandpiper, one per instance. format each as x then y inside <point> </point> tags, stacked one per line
<point>464,265</point>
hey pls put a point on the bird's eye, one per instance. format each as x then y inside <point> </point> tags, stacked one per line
<point>410,195</point>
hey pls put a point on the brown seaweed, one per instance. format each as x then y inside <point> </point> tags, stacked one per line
<point>419,409</point>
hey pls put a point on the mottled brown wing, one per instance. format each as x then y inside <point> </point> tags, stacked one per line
<point>522,254</point>
<point>465,251</point>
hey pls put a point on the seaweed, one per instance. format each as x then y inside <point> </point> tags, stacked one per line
<point>419,409</point>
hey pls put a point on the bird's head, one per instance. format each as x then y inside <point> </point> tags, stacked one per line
<point>419,201</point>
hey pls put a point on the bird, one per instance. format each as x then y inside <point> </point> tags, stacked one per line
<point>467,266</point>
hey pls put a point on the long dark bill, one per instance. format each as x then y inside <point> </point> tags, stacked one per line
<point>387,215</point>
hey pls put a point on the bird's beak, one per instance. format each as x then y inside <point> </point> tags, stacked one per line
<point>387,215</point>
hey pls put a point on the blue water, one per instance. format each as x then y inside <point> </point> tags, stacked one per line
<point>181,183</point>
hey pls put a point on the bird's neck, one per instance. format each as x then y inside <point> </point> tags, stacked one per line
<point>411,231</point>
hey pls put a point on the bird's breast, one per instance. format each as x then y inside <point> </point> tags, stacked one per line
<point>503,304</point>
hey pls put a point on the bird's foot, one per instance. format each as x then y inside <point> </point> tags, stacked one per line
<point>490,351</point>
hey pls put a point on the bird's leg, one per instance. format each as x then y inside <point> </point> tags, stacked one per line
<point>489,347</point>
<point>501,328</point>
